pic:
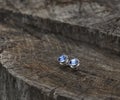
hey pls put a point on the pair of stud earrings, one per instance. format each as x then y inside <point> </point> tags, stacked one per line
<point>64,60</point>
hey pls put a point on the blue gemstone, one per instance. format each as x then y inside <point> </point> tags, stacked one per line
<point>74,62</point>
<point>62,58</point>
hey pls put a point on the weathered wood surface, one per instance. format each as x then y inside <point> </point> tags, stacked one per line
<point>100,15</point>
<point>31,41</point>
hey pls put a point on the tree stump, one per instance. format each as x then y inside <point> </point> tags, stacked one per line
<point>33,34</point>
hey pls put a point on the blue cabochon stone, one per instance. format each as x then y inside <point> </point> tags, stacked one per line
<point>62,58</point>
<point>74,63</point>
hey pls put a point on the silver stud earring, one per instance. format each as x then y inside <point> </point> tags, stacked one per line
<point>63,59</point>
<point>74,63</point>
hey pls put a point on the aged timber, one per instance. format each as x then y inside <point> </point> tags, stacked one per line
<point>31,41</point>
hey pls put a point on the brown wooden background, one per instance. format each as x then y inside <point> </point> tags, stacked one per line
<point>33,33</point>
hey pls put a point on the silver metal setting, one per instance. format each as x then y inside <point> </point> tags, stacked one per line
<point>74,63</point>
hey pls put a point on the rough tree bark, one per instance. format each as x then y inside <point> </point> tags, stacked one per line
<point>33,33</point>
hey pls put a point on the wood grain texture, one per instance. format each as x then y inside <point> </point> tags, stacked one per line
<point>30,45</point>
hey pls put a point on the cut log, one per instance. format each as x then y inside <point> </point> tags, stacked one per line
<point>31,42</point>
